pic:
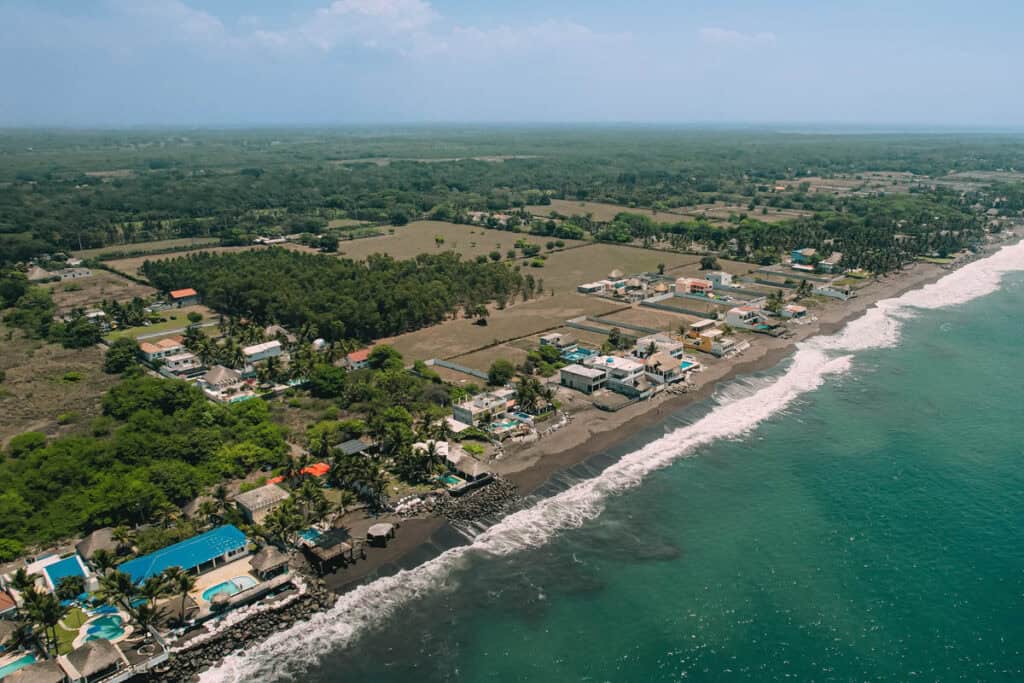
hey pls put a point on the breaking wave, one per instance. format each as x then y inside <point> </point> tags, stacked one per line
<point>288,653</point>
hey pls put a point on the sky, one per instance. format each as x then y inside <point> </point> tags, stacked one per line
<point>318,62</point>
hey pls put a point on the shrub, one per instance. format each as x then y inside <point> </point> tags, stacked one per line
<point>473,448</point>
<point>72,377</point>
<point>67,418</point>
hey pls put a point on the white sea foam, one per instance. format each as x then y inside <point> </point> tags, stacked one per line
<point>286,654</point>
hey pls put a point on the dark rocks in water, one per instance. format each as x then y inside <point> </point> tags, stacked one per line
<point>188,664</point>
<point>485,502</point>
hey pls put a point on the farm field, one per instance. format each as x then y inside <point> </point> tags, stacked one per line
<point>90,291</point>
<point>481,360</point>
<point>183,243</point>
<point>720,213</point>
<point>44,381</point>
<point>652,317</point>
<point>600,211</point>
<point>419,238</point>
<point>563,271</point>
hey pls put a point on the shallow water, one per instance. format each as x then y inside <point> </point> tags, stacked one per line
<point>854,515</point>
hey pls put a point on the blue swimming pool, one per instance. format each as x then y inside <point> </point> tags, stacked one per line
<point>451,480</point>
<point>577,355</point>
<point>309,534</point>
<point>107,627</point>
<point>20,663</point>
<point>686,365</point>
<point>229,587</point>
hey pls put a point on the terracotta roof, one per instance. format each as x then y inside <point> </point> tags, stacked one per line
<point>146,347</point>
<point>359,356</point>
<point>6,603</point>
<point>182,293</point>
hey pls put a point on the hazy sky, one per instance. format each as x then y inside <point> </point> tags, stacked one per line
<point>241,62</point>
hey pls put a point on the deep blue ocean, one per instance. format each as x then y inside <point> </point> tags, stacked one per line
<point>864,521</point>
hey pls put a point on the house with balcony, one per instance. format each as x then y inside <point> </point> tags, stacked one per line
<point>693,285</point>
<point>719,278</point>
<point>623,375</point>
<point>662,368</point>
<point>159,350</point>
<point>657,343</point>
<point>583,378</point>
<point>744,318</point>
<point>481,409</point>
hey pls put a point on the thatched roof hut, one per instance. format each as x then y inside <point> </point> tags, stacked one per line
<point>47,671</point>
<point>101,539</point>
<point>269,561</point>
<point>93,659</point>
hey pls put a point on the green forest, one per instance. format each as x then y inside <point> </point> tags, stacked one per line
<point>342,298</point>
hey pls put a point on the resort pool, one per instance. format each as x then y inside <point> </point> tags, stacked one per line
<point>8,669</point>
<point>229,587</point>
<point>107,628</point>
<point>506,424</point>
<point>309,534</point>
<point>451,480</point>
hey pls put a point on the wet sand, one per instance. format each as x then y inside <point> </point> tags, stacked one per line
<point>592,432</point>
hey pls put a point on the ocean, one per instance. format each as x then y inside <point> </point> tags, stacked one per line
<point>854,514</point>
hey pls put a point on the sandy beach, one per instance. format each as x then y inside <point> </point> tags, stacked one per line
<point>592,431</point>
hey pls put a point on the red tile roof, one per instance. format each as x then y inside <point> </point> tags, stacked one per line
<point>6,602</point>
<point>182,293</point>
<point>317,469</point>
<point>359,356</point>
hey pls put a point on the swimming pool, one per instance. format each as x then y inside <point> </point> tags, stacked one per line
<point>8,669</point>
<point>229,587</point>
<point>107,627</point>
<point>451,480</point>
<point>577,355</point>
<point>686,365</point>
<point>309,534</point>
<point>523,417</point>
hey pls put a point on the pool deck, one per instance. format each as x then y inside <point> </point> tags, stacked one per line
<point>239,567</point>
<point>126,625</point>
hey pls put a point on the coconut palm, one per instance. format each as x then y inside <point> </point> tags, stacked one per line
<point>22,581</point>
<point>206,511</point>
<point>181,583</point>
<point>45,611</point>
<point>146,616</point>
<point>117,588</point>
<point>125,539</point>
<point>154,587</point>
<point>103,560</point>
<point>220,497</point>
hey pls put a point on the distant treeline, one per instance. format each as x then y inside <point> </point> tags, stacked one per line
<point>230,185</point>
<point>344,299</point>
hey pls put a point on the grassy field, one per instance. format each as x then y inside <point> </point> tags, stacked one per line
<point>44,381</point>
<point>419,238</point>
<point>563,271</point>
<point>653,318</point>
<point>182,243</point>
<point>175,319</point>
<point>90,291</point>
<point>600,211</point>
<point>720,213</point>
<point>344,223</point>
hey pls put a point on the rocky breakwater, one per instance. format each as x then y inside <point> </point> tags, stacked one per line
<point>187,664</point>
<point>487,502</point>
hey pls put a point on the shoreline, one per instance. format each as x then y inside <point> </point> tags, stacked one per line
<point>593,432</point>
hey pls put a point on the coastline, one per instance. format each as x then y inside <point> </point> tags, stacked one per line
<point>592,432</point>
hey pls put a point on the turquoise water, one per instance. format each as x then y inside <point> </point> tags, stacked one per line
<point>870,528</point>
<point>107,628</point>
<point>309,534</point>
<point>21,662</point>
<point>229,587</point>
<point>451,480</point>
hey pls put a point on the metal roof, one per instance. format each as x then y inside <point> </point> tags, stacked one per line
<point>187,554</point>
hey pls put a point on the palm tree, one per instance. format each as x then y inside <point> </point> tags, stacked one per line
<point>154,587</point>
<point>181,582</point>
<point>124,538</point>
<point>103,560</point>
<point>117,588</point>
<point>45,610</point>
<point>220,497</point>
<point>206,511</point>
<point>145,616</point>
<point>345,500</point>
<point>22,581</point>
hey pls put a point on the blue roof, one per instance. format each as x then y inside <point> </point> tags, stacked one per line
<point>69,566</point>
<point>187,554</point>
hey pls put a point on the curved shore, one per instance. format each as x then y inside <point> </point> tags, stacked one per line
<point>593,432</point>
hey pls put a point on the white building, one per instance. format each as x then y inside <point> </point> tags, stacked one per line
<point>623,374</point>
<point>744,317</point>
<point>719,278</point>
<point>793,311</point>
<point>181,363</point>
<point>662,368</point>
<point>591,288</point>
<point>154,351</point>
<point>258,352</point>
<point>659,343</point>
<point>255,505</point>
<point>835,292</point>
<point>582,378</point>
<point>482,408</point>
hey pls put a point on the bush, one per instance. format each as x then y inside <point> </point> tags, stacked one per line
<point>473,448</point>
<point>10,549</point>
<point>25,443</point>
<point>500,373</point>
<point>67,418</point>
<point>120,356</point>
<point>72,377</point>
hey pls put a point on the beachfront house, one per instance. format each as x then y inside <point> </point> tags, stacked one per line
<point>623,375</point>
<point>793,312</point>
<point>195,555</point>
<point>646,346</point>
<point>693,285</point>
<point>159,350</point>
<point>255,505</point>
<point>712,341</point>
<point>834,291</point>
<point>719,278</point>
<point>663,368</point>
<point>482,408</point>
<point>260,352</point>
<point>804,257</point>
<point>184,297</point>
<point>582,378</point>
<point>744,317</point>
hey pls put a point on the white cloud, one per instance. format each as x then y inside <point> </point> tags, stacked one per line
<point>724,37</point>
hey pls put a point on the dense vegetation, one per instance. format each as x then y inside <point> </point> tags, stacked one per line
<point>78,189</point>
<point>156,445</point>
<point>343,299</point>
